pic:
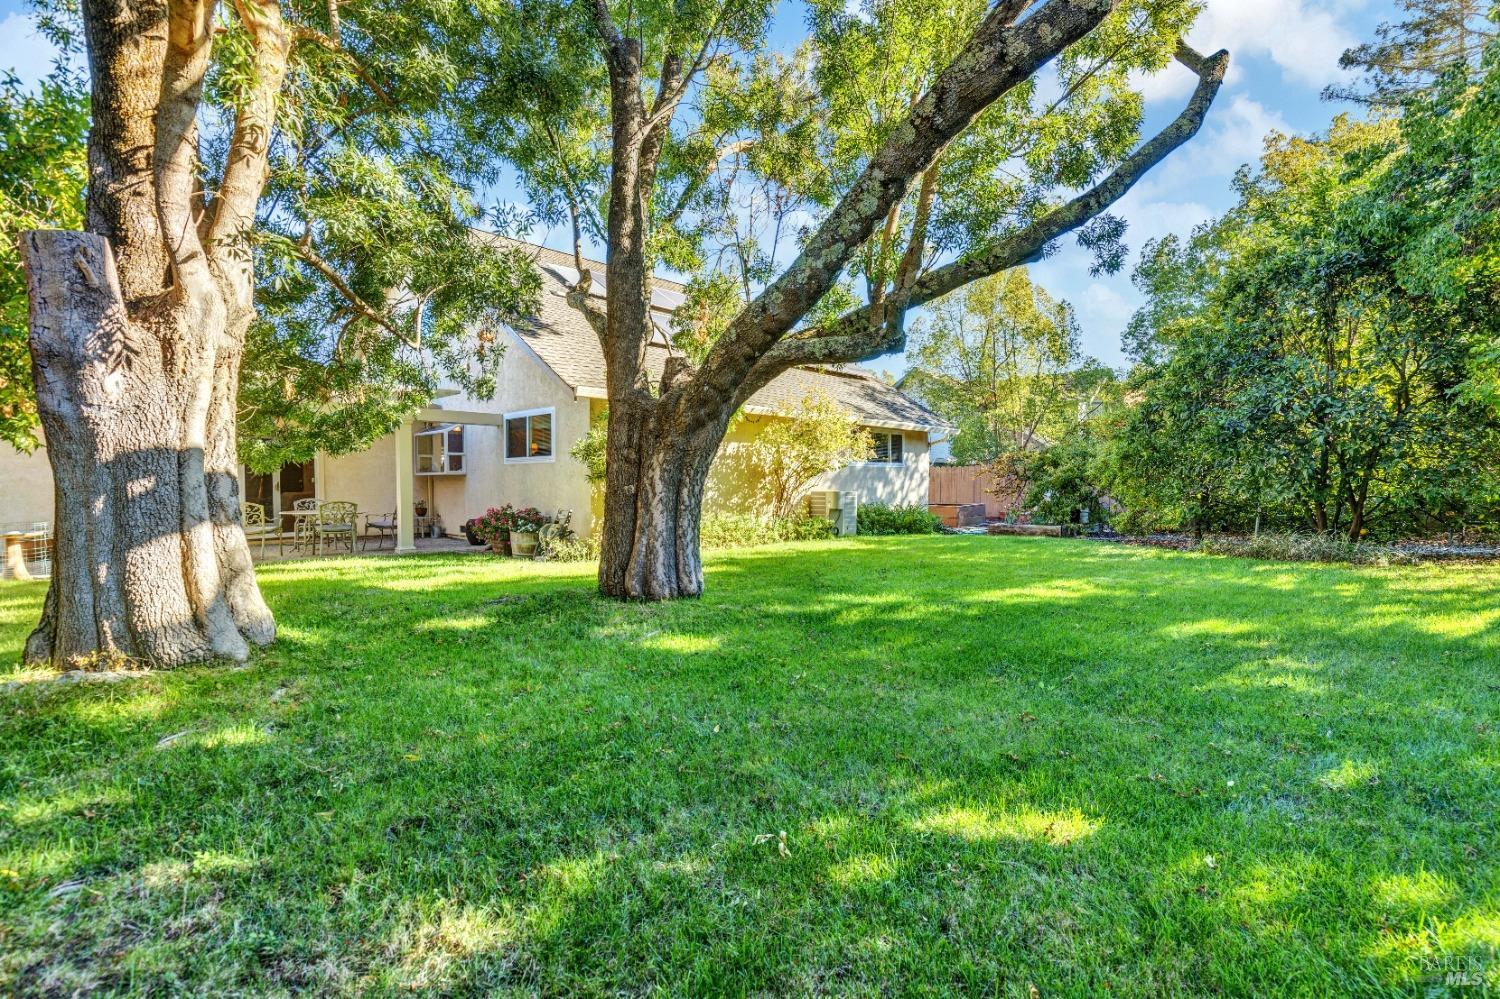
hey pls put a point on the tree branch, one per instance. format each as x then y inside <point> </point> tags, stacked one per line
<point>857,335</point>
<point>696,184</point>
<point>999,56</point>
<point>189,48</point>
<point>310,256</point>
<point>248,165</point>
<point>304,33</point>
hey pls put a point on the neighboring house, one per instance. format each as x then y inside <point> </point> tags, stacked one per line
<point>462,455</point>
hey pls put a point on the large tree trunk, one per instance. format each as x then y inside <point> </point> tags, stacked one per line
<point>138,410</point>
<point>655,472</point>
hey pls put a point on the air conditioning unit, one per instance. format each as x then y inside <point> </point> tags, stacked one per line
<point>823,503</point>
<point>839,507</point>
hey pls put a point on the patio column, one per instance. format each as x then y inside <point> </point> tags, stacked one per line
<point>406,507</point>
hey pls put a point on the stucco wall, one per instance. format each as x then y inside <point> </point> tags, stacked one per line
<point>25,486</point>
<point>732,488</point>
<point>366,478</point>
<point>894,485</point>
<point>522,383</point>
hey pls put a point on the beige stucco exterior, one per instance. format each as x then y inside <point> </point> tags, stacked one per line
<point>368,478</point>
<point>523,384</point>
<point>732,488</point>
<point>25,486</point>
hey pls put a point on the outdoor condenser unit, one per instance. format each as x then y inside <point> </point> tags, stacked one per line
<point>839,507</point>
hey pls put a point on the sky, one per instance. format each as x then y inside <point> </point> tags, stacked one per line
<point>1284,52</point>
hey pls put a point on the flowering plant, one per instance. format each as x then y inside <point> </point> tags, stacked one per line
<point>528,518</point>
<point>494,523</point>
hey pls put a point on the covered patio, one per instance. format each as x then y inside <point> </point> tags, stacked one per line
<point>391,491</point>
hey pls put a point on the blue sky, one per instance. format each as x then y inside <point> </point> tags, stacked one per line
<point>1284,53</point>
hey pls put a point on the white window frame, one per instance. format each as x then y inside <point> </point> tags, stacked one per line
<point>440,432</point>
<point>548,411</point>
<point>873,463</point>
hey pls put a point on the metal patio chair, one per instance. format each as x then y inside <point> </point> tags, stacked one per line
<point>258,528</point>
<point>335,524</point>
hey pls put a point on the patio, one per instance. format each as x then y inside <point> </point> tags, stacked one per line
<point>366,545</point>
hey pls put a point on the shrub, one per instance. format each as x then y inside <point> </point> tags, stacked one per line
<point>1279,547</point>
<point>877,518</point>
<point>740,530</point>
<point>720,530</point>
<point>592,448</point>
<point>787,454</point>
<point>573,549</point>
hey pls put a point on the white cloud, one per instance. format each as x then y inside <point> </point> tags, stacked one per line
<point>1235,134</point>
<point>1303,37</point>
<point>27,53</point>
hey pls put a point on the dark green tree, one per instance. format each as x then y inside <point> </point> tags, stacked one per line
<point>1296,361</point>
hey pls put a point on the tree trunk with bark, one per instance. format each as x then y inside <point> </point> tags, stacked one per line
<point>655,473</point>
<point>137,330</point>
<point>151,561</point>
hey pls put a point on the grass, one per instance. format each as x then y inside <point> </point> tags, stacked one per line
<point>1001,764</point>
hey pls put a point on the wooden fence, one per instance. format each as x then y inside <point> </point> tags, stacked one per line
<point>957,484</point>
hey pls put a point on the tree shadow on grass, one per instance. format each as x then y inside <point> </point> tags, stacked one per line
<point>1056,766</point>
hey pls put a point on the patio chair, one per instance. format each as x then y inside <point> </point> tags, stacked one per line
<point>335,524</point>
<point>384,525</point>
<point>258,528</point>
<point>302,527</point>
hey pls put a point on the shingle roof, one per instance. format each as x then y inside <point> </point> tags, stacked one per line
<point>564,341</point>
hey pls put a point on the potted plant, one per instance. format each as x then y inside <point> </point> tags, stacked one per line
<point>494,527</point>
<point>525,524</point>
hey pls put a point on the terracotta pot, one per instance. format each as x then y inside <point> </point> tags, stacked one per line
<point>500,545</point>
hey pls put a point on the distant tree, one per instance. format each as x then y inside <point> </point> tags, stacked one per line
<point>1436,208</point>
<point>998,360</point>
<point>1409,56</point>
<point>787,453</point>
<point>1308,373</point>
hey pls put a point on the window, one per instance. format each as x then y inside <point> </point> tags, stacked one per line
<point>888,448</point>
<point>440,450</point>
<point>528,436</point>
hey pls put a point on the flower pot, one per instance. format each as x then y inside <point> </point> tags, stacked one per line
<point>523,543</point>
<point>500,544</point>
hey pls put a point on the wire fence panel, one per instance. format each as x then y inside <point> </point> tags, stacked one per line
<point>27,550</point>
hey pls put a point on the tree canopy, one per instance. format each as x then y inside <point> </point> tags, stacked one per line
<point>372,286</point>
<point>1323,352</point>
<point>1410,57</point>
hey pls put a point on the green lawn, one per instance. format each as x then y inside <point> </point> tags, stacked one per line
<point>1000,764</point>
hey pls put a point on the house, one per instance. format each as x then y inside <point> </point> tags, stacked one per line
<point>461,455</point>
